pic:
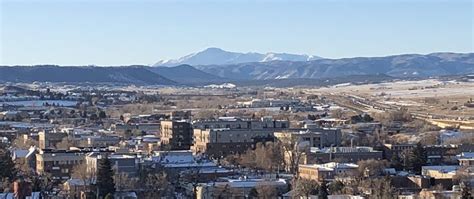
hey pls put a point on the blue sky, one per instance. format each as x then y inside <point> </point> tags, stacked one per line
<point>122,32</point>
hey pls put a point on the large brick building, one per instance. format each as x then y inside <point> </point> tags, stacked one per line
<point>176,135</point>
<point>48,140</point>
<point>58,163</point>
<point>222,142</point>
<point>239,123</point>
<point>230,135</point>
<point>328,171</point>
<point>319,137</point>
<point>345,154</point>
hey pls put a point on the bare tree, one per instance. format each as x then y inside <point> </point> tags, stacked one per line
<point>22,143</point>
<point>462,175</point>
<point>268,157</point>
<point>266,191</point>
<point>5,185</point>
<point>124,182</point>
<point>371,168</point>
<point>337,113</point>
<point>378,187</point>
<point>304,187</point>
<point>206,114</point>
<point>293,151</point>
<point>65,143</point>
<point>401,115</point>
<point>83,173</point>
<point>157,186</point>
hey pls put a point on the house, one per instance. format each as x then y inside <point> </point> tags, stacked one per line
<point>128,164</point>
<point>440,172</point>
<point>146,127</point>
<point>26,158</point>
<point>237,188</point>
<point>180,115</point>
<point>441,154</point>
<point>331,122</point>
<point>327,171</point>
<point>345,154</point>
<point>396,149</point>
<point>439,194</point>
<point>13,115</point>
<point>74,187</point>
<point>410,183</point>
<point>317,137</point>
<point>466,159</point>
<point>179,160</point>
<point>58,163</point>
<point>102,141</point>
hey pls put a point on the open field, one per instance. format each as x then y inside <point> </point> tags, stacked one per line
<point>434,98</point>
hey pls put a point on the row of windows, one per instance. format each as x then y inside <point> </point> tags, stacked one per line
<point>230,135</point>
<point>225,146</point>
<point>66,162</point>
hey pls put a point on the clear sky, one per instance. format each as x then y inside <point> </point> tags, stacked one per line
<point>122,32</point>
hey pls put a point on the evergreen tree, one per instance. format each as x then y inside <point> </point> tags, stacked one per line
<point>335,187</point>
<point>105,182</point>
<point>253,193</point>
<point>102,115</point>
<point>466,191</point>
<point>7,166</point>
<point>395,162</point>
<point>417,158</point>
<point>93,117</point>
<point>323,191</point>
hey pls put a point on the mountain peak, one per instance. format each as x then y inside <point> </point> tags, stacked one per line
<point>213,49</point>
<point>218,56</point>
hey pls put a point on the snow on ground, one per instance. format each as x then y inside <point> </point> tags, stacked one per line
<point>40,103</point>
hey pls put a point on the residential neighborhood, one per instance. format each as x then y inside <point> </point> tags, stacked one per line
<point>97,145</point>
<point>236,99</point>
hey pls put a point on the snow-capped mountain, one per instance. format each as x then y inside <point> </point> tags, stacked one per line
<point>217,56</point>
<point>407,65</point>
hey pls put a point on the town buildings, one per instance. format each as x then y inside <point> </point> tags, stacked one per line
<point>237,188</point>
<point>230,135</point>
<point>342,154</point>
<point>328,171</point>
<point>221,142</point>
<point>176,135</point>
<point>48,140</point>
<point>128,164</point>
<point>315,137</point>
<point>58,163</point>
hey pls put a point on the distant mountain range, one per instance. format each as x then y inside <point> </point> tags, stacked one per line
<point>82,74</point>
<point>217,56</point>
<point>409,65</point>
<point>314,72</point>
<point>187,74</point>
